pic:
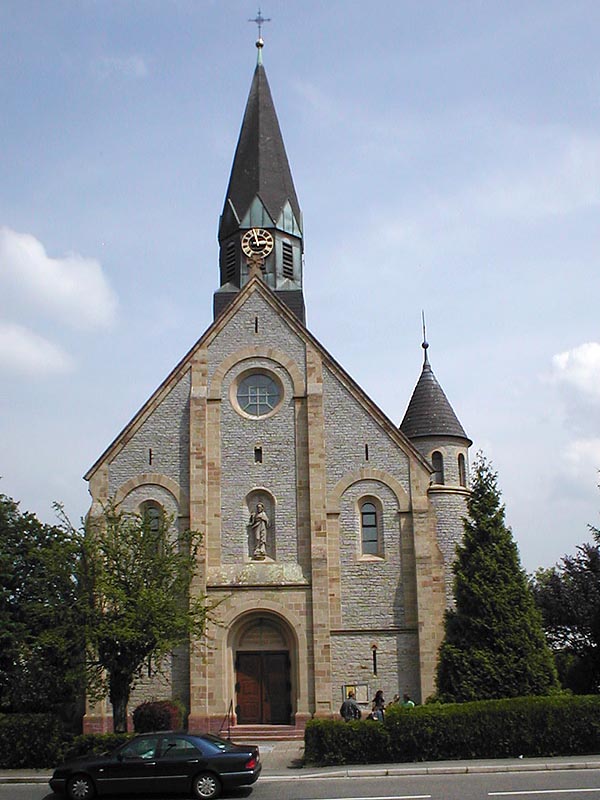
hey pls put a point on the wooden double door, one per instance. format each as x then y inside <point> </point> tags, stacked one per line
<point>263,688</point>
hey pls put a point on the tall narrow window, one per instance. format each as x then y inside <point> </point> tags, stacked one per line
<point>369,529</point>
<point>462,470</point>
<point>438,467</point>
<point>287,254</point>
<point>230,262</point>
<point>152,515</point>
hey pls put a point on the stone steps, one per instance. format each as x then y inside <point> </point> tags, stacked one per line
<point>250,734</point>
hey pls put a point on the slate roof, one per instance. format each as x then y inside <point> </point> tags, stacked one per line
<point>260,165</point>
<point>429,412</point>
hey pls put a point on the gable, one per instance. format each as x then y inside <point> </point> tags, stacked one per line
<point>256,316</point>
<point>355,439</point>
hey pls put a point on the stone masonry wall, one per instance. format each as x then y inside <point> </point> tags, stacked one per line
<point>241,474</point>
<point>371,591</point>
<point>348,428</point>
<point>397,665</point>
<point>241,332</point>
<point>167,433</point>
<point>448,499</point>
<point>450,508</point>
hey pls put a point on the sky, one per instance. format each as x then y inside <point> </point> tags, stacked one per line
<point>446,156</point>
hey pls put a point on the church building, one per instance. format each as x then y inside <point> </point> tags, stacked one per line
<point>328,530</point>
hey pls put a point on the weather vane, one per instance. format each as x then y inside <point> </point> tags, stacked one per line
<point>260,20</point>
<point>425,344</point>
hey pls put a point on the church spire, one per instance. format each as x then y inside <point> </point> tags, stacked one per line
<point>261,196</point>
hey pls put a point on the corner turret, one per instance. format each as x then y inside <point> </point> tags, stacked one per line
<point>434,429</point>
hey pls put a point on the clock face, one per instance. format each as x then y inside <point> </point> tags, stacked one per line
<point>257,242</point>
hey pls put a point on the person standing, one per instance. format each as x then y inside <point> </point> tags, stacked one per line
<point>349,709</point>
<point>378,705</point>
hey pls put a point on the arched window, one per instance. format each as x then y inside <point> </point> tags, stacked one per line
<point>369,528</point>
<point>438,467</point>
<point>152,514</point>
<point>462,470</point>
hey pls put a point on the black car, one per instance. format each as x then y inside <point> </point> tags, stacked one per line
<point>161,762</point>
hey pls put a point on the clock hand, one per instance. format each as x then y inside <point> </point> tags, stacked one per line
<point>256,239</point>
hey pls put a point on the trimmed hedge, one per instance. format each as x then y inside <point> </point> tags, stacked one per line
<point>524,726</point>
<point>30,740</point>
<point>95,744</point>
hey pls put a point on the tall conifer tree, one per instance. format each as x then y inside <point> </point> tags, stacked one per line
<point>494,645</point>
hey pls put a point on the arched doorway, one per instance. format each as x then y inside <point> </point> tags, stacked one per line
<point>263,671</point>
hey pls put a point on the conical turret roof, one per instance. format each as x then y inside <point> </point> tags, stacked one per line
<point>429,412</point>
<point>260,165</point>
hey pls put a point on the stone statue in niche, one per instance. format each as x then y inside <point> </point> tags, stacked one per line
<point>259,522</point>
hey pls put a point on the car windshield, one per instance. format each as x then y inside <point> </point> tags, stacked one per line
<point>215,743</point>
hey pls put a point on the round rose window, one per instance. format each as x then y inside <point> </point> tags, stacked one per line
<point>258,394</point>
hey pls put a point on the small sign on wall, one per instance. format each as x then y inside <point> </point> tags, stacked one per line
<point>361,691</point>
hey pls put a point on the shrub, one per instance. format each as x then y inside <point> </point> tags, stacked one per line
<point>158,715</point>
<point>527,726</point>
<point>95,744</point>
<point>331,741</point>
<point>30,740</point>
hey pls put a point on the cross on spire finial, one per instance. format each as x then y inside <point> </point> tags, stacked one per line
<point>260,20</point>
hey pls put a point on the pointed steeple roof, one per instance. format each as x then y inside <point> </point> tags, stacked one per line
<point>429,412</point>
<point>260,165</point>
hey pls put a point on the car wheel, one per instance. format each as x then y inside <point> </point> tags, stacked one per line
<point>206,786</point>
<point>80,787</point>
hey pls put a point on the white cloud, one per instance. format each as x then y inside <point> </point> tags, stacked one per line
<point>579,369</point>
<point>133,66</point>
<point>25,352</point>
<point>72,288</point>
<point>582,461</point>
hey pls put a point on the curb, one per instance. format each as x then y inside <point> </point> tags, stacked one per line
<point>399,772</point>
<point>382,772</point>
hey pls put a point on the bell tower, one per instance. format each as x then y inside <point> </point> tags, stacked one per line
<point>260,228</point>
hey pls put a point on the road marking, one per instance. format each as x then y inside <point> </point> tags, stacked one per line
<point>385,797</point>
<point>540,791</point>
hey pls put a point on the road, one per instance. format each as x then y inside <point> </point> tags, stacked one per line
<point>568,784</point>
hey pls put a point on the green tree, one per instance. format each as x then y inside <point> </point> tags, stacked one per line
<point>568,596</point>
<point>494,644</point>
<point>138,577</point>
<point>41,619</point>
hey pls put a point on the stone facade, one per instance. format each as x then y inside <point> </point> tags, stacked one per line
<point>344,579</point>
<point>318,612</point>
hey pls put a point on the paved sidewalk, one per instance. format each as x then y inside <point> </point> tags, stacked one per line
<point>284,761</point>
